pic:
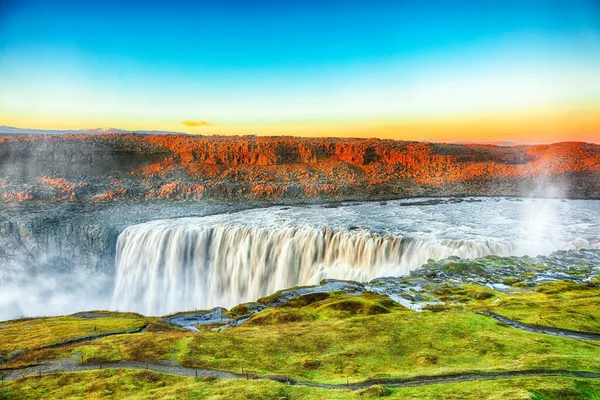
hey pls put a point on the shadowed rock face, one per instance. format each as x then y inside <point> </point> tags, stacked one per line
<point>40,237</point>
<point>137,167</point>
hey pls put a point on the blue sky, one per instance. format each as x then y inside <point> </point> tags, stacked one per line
<point>383,68</point>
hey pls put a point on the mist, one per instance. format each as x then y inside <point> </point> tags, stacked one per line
<point>53,294</point>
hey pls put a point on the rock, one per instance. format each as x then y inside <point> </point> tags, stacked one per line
<point>102,168</point>
<point>325,286</point>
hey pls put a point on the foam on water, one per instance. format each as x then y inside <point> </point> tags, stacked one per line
<point>194,263</point>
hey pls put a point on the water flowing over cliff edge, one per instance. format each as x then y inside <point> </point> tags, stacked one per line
<point>59,258</point>
<point>221,260</point>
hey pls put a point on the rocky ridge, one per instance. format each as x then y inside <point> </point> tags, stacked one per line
<point>113,167</point>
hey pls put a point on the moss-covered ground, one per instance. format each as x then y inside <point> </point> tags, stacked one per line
<point>33,333</point>
<point>558,304</point>
<point>121,384</point>
<point>327,338</point>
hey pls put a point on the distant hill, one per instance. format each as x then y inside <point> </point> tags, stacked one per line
<point>11,130</point>
<point>493,143</point>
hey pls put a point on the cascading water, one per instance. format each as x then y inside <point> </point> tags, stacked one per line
<point>168,268</point>
<point>194,263</point>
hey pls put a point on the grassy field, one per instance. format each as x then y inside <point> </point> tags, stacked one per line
<point>326,338</point>
<point>32,333</point>
<point>121,384</point>
<point>344,338</point>
<point>557,304</point>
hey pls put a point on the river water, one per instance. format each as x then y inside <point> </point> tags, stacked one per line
<point>179,264</point>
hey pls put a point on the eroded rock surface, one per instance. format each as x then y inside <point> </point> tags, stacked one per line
<point>102,168</point>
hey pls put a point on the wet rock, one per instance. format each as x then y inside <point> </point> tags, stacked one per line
<point>215,316</point>
<point>326,286</point>
<point>64,238</point>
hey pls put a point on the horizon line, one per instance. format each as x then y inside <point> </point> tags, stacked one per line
<point>120,131</point>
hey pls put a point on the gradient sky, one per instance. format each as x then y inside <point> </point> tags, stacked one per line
<point>525,71</point>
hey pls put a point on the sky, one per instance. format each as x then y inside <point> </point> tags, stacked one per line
<point>481,71</point>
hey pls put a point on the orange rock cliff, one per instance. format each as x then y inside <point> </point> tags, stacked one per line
<point>183,167</point>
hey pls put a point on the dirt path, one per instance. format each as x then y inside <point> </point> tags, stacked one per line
<point>172,368</point>
<point>543,329</point>
<point>92,337</point>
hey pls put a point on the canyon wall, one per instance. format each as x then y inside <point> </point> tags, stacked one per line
<point>66,237</point>
<point>99,168</point>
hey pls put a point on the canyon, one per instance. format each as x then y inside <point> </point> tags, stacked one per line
<point>116,167</point>
<point>67,201</point>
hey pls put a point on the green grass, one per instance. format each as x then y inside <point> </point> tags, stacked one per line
<point>38,332</point>
<point>138,347</point>
<point>398,344</point>
<point>145,347</point>
<point>327,338</point>
<point>546,388</point>
<point>557,304</point>
<point>119,384</point>
<point>345,338</point>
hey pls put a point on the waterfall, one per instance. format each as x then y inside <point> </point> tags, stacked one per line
<point>167,266</point>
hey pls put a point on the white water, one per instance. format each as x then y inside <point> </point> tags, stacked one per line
<point>194,263</point>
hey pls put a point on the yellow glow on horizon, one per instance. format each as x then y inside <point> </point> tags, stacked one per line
<point>539,126</point>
